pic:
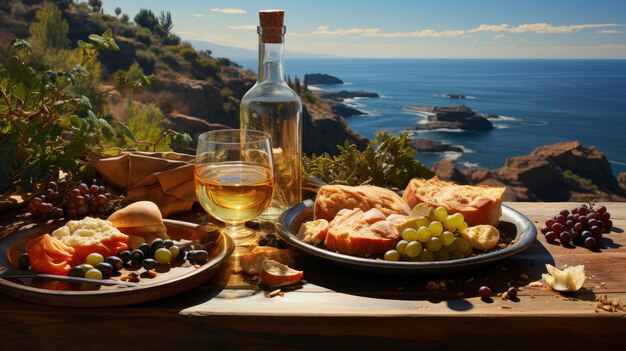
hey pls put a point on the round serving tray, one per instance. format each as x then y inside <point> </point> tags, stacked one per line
<point>170,280</point>
<point>511,220</point>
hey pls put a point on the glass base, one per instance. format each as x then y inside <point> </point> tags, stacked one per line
<point>244,238</point>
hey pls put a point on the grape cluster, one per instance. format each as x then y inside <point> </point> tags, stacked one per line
<point>74,200</point>
<point>582,225</point>
<point>433,238</point>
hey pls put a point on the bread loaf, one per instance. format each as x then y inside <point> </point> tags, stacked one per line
<point>358,232</point>
<point>333,198</point>
<point>478,204</point>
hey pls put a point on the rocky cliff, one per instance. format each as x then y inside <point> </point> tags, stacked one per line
<point>560,172</point>
<point>453,117</point>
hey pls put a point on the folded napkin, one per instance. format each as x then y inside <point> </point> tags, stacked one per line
<point>165,178</point>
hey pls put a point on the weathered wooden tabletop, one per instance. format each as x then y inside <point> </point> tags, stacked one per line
<point>341,308</point>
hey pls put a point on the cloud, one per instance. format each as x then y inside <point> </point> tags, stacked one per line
<point>543,28</point>
<point>200,15</point>
<point>186,33</point>
<point>500,36</point>
<point>490,28</point>
<point>426,33</point>
<point>229,11</point>
<point>324,31</point>
<point>244,27</point>
<point>609,31</point>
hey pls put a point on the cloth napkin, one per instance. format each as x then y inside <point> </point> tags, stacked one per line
<point>165,178</point>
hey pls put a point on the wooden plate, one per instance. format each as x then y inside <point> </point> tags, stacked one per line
<point>513,222</point>
<point>170,280</point>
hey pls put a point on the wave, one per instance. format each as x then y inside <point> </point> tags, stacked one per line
<point>617,163</point>
<point>470,164</point>
<point>444,130</point>
<point>445,96</point>
<point>452,155</point>
<point>505,118</point>
<point>466,150</point>
<point>501,126</point>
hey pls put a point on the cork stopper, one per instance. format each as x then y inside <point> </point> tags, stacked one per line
<point>272,22</point>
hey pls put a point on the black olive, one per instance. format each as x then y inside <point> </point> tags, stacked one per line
<point>263,241</point>
<point>137,256</point>
<point>149,263</point>
<point>181,253</point>
<point>281,244</point>
<point>197,255</point>
<point>168,243</point>
<point>155,245</point>
<point>105,268</point>
<point>24,261</point>
<point>145,248</point>
<point>124,256</point>
<point>115,261</point>
<point>77,271</point>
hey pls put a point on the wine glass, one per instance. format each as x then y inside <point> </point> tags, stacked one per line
<point>234,177</point>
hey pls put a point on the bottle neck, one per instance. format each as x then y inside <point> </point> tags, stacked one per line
<point>271,61</point>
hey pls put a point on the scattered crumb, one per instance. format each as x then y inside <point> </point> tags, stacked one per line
<point>536,284</point>
<point>152,273</point>
<point>604,303</point>
<point>523,276</point>
<point>532,297</point>
<point>499,294</point>
<point>461,294</point>
<point>506,307</point>
<point>276,292</point>
<point>469,280</point>
<point>504,295</point>
<point>432,285</point>
<point>520,289</point>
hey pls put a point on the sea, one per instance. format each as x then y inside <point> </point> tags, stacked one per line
<point>540,102</point>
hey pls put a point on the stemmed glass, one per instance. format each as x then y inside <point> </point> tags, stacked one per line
<point>234,177</point>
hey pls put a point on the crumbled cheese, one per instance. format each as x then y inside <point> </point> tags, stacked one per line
<point>87,231</point>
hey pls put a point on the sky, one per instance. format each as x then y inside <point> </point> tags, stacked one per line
<point>409,29</point>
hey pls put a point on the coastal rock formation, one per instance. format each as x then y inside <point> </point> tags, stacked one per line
<point>430,145</point>
<point>323,130</point>
<point>453,117</point>
<point>344,94</point>
<point>621,180</point>
<point>454,96</point>
<point>321,79</point>
<point>346,111</point>
<point>558,172</point>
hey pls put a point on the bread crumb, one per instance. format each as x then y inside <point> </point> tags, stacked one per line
<point>523,276</point>
<point>275,293</point>
<point>506,307</point>
<point>536,284</point>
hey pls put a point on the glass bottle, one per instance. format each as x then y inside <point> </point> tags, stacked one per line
<point>273,107</point>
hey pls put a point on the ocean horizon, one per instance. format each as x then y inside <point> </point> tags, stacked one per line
<point>540,101</point>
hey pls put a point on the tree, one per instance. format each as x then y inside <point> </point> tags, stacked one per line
<point>96,5</point>
<point>125,18</point>
<point>165,23</point>
<point>48,37</point>
<point>298,88</point>
<point>147,19</point>
<point>118,10</point>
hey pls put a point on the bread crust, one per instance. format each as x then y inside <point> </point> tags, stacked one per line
<point>333,198</point>
<point>137,214</point>
<point>478,204</point>
<point>358,232</point>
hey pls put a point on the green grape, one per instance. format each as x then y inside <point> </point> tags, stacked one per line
<point>427,256</point>
<point>442,255</point>
<point>94,258</point>
<point>461,244</point>
<point>450,247</point>
<point>175,250</point>
<point>433,244</point>
<point>163,255</point>
<point>422,222</point>
<point>458,219</point>
<point>462,226</point>
<point>449,224</point>
<point>447,238</point>
<point>423,234</point>
<point>401,247</point>
<point>413,248</point>
<point>392,255</point>
<point>435,228</point>
<point>456,255</point>
<point>93,274</point>
<point>441,214</point>
<point>468,252</point>
<point>409,234</point>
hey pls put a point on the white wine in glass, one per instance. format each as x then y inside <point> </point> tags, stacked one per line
<point>234,177</point>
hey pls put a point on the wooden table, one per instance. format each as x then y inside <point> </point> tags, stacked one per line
<point>340,308</point>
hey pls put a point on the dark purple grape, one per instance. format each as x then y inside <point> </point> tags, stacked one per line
<point>57,212</point>
<point>590,243</point>
<point>557,228</point>
<point>578,227</point>
<point>564,213</point>
<point>71,212</point>
<point>565,238</point>
<point>102,189</point>
<point>551,237</point>
<point>582,210</point>
<point>608,224</point>
<point>52,186</point>
<point>83,188</point>
<point>575,211</point>
<point>583,220</point>
<point>101,199</point>
<point>550,223</point>
<point>74,193</point>
<point>32,208</point>
<point>605,216</point>
<point>569,224</point>
<point>82,210</point>
<point>586,234</point>
<point>45,208</point>
<point>600,209</point>
<point>80,200</point>
<point>102,209</point>
<point>484,292</point>
<point>592,215</point>
<point>595,230</point>
<point>36,201</point>
<point>51,194</point>
<point>560,219</point>
<point>70,204</point>
<point>575,235</point>
<point>544,230</point>
<point>94,190</point>
<point>512,292</point>
<point>592,222</point>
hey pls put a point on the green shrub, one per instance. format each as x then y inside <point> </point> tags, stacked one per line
<point>143,36</point>
<point>188,54</point>
<point>145,123</point>
<point>226,92</point>
<point>133,72</point>
<point>146,60</point>
<point>203,68</point>
<point>171,59</point>
<point>309,97</point>
<point>223,61</point>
